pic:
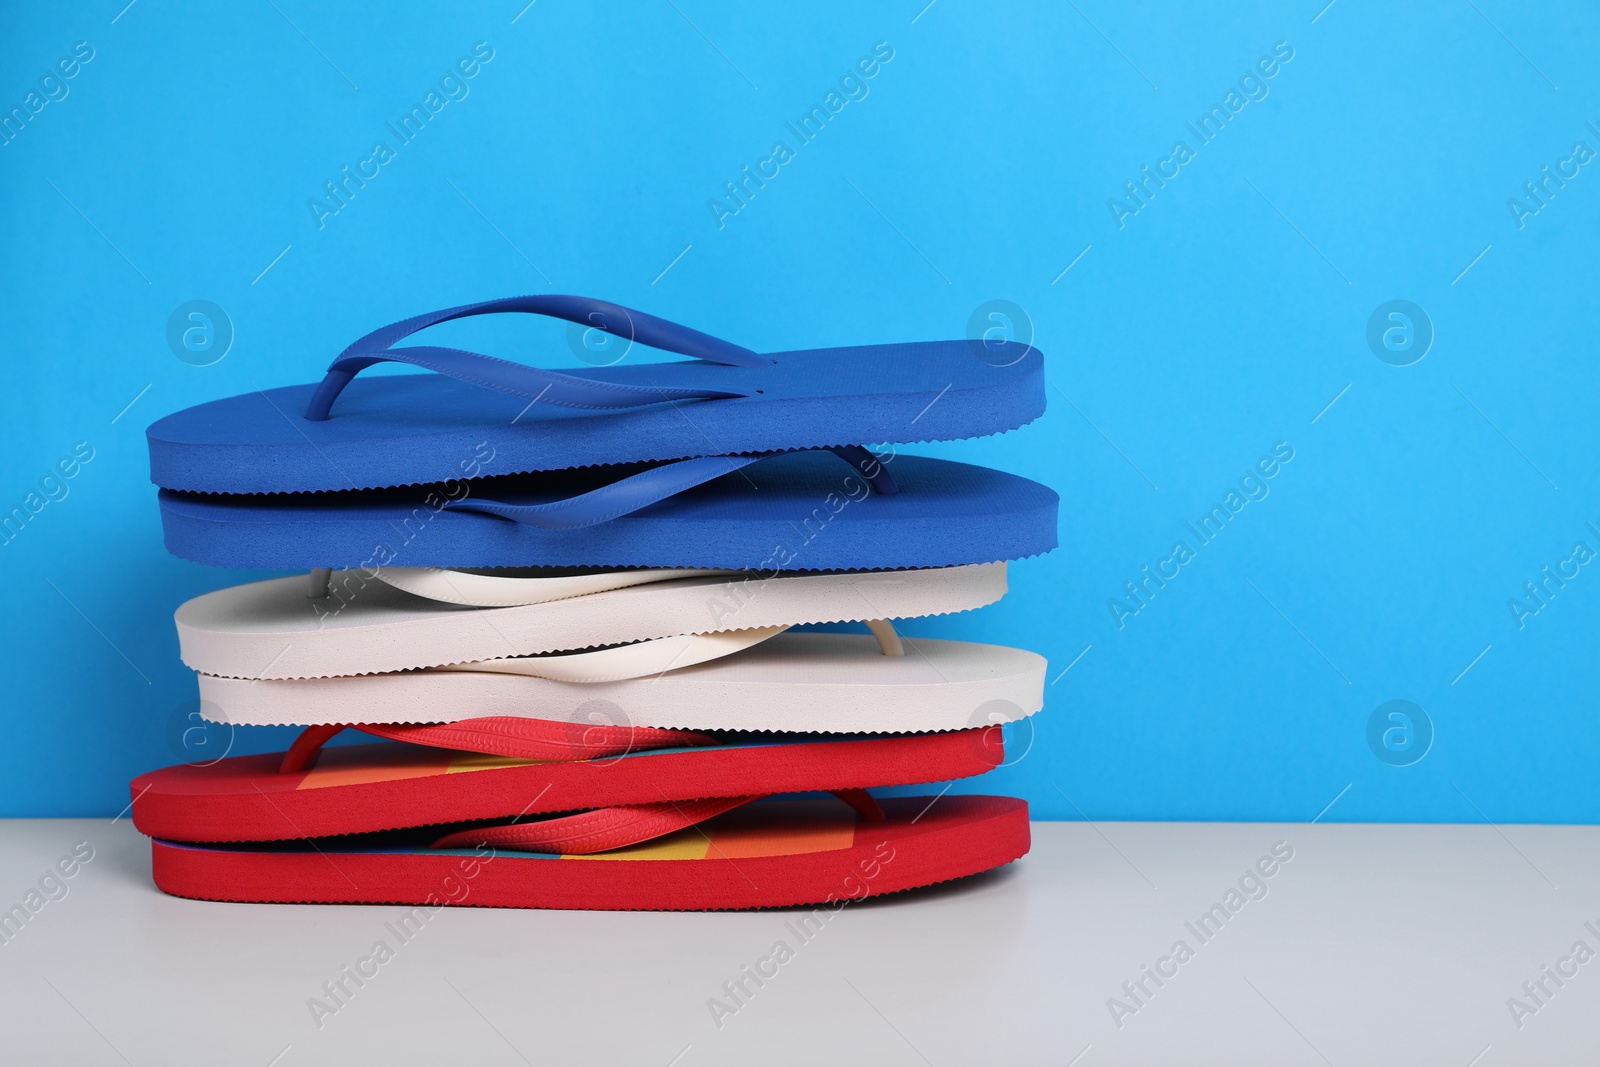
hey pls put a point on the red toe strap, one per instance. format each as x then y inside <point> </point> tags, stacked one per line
<point>306,746</point>
<point>594,831</point>
<point>504,735</point>
<point>604,829</point>
<point>863,802</point>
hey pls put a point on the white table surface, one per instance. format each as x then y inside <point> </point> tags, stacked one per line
<point>1373,945</point>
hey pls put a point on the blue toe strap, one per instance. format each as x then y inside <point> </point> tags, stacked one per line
<point>656,484</point>
<point>533,383</point>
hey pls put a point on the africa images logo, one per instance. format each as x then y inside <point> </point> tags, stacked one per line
<point>338,193</point>
<point>1252,87</point>
<point>739,192</point>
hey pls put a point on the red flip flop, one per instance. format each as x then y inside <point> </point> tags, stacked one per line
<point>766,853</point>
<point>495,768</point>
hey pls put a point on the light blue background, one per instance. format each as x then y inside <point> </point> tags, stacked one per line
<point>1223,318</point>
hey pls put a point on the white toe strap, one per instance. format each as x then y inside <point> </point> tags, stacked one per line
<point>644,659</point>
<point>888,641</point>
<point>639,660</point>
<point>502,591</point>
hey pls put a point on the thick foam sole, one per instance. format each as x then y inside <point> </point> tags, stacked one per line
<point>410,428</point>
<point>273,629</point>
<point>799,683</point>
<point>353,789</point>
<point>803,511</point>
<point>773,853</point>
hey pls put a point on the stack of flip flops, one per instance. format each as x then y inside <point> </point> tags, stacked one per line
<point>565,604</point>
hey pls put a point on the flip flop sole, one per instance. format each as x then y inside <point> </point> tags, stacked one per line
<point>355,789</point>
<point>772,853</point>
<point>803,511</point>
<point>802,683</point>
<point>409,428</point>
<point>272,629</point>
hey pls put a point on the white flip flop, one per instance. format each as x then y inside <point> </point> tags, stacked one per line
<point>746,680</point>
<point>408,618</point>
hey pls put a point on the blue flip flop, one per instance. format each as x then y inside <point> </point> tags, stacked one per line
<point>778,512</point>
<point>373,432</point>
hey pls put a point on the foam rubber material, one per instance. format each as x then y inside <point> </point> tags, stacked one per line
<point>354,789</point>
<point>802,511</point>
<point>272,629</point>
<point>794,682</point>
<point>410,428</point>
<point>772,853</point>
